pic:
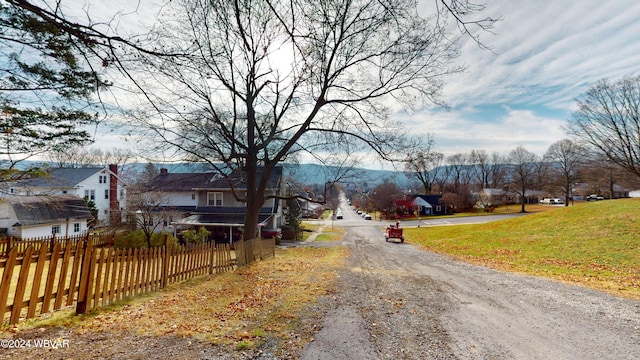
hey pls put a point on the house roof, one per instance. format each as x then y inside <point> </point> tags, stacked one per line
<point>166,181</point>
<point>421,202</point>
<point>43,209</point>
<point>63,177</point>
<point>493,191</point>
<point>179,181</point>
<point>220,220</point>
<point>430,199</point>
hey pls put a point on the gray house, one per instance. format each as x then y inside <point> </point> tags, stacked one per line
<point>193,200</point>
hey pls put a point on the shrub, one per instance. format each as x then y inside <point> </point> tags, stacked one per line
<point>193,237</point>
<point>137,239</point>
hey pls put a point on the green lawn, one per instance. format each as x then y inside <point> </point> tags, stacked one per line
<point>593,244</point>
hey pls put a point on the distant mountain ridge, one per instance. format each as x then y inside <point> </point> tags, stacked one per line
<point>307,173</point>
<point>304,173</point>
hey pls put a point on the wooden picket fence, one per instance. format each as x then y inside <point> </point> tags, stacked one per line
<point>98,239</point>
<point>249,251</point>
<point>92,277</point>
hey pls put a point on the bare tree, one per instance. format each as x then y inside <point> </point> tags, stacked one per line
<point>479,160</point>
<point>79,156</point>
<point>608,118</point>
<point>566,159</point>
<point>459,170</point>
<point>262,81</point>
<point>424,163</point>
<point>488,171</point>
<point>148,211</point>
<point>601,177</point>
<point>522,172</point>
<point>382,196</point>
<point>497,170</point>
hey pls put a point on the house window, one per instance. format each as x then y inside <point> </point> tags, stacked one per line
<point>93,195</point>
<point>55,229</point>
<point>76,227</point>
<point>106,193</point>
<point>102,179</point>
<point>214,199</point>
<point>193,196</point>
<point>438,208</point>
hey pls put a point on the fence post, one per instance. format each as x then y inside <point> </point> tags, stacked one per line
<point>83,286</point>
<point>212,258</point>
<point>53,242</point>
<point>9,245</point>
<point>165,262</point>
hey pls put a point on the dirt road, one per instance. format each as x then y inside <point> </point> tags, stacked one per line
<point>398,302</point>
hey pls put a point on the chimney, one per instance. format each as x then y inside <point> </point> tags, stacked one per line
<point>114,205</point>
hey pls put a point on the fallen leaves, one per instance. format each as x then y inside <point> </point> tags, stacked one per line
<point>261,300</point>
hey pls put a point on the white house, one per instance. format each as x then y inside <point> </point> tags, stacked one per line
<point>98,184</point>
<point>43,215</point>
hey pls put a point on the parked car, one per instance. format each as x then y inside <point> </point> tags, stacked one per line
<point>367,217</point>
<point>550,201</point>
<point>339,214</point>
<point>594,197</point>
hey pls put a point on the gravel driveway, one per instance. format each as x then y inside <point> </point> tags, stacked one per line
<point>398,302</point>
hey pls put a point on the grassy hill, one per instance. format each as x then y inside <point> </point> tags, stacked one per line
<point>592,244</point>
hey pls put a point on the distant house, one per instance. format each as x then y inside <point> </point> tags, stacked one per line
<point>429,205</point>
<point>489,197</point>
<point>98,184</point>
<point>193,200</point>
<point>43,215</point>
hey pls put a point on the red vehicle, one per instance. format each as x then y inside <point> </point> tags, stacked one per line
<point>394,232</point>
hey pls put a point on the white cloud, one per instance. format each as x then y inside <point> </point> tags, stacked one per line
<point>545,54</point>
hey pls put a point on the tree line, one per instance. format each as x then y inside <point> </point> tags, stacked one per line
<point>567,168</point>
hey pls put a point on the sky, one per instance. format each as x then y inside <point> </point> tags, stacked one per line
<point>545,54</point>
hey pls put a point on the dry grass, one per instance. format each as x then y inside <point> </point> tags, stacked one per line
<point>331,233</point>
<point>243,308</point>
<point>591,244</point>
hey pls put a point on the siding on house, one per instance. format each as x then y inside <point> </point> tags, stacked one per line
<point>98,184</point>
<point>43,215</point>
<point>206,199</point>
